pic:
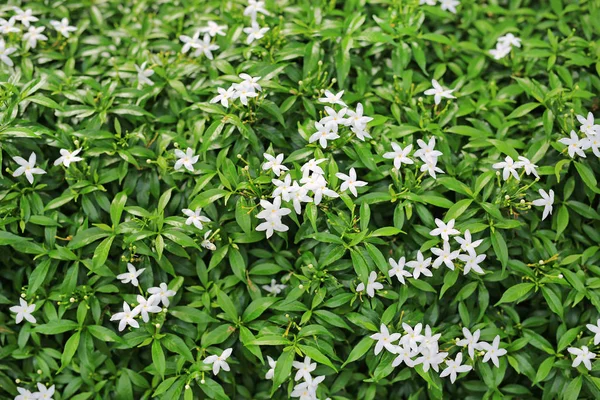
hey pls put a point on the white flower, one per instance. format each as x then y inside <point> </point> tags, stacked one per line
<point>492,352</point>
<point>131,276</point>
<point>187,159</point>
<point>449,5</point>
<point>372,285</point>
<point>67,157</point>
<point>582,355</point>
<point>470,340</point>
<point>357,119</point>
<point>271,226</point>
<point>445,256</point>
<point>194,217</point>
<point>444,230</point>
<point>274,287</point>
<point>588,125</point>
<point>307,390</point>
<point>312,165</point>
<point>350,182</point>
<point>126,317</point>
<point>333,98</point>
<point>146,306</point>
<point>384,339</point>
<point>324,133</point>
<point>255,32</point>
<point>271,371</point>
<point>33,35</point>
<point>430,358</point>
<point>304,369</point>
<point>500,51</point>
<point>272,211</point>
<point>24,394</point>
<point>24,17</point>
<point>472,261</point>
<point>224,96</point>
<point>219,362</point>
<point>413,337</point>
<point>63,27</point>
<point>576,145</point>
<point>547,201</point>
<point>454,368</point>
<point>205,47</point>
<point>405,354</point>
<point>251,81</point>
<point>360,132</point>
<point>299,196</point>
<point>399,155</point>
<point>214,29</point>
<point>398,269</point>
<point>431,168</point>
<point>283,187</point>
<point>319,188</point>
<point>509,40</point>
<point>243,91</point>
<point>27,167</point>
<point>7,27</point>
<point>427,2</point>
<point>438,92</point>
<point>44,393</point>
<point>466,243</point>
<point>528,166</point>
<point>593,141</point>
<point>160,294</point>
<point>254,7</point>
<point>508,166</point>
<point>23,311</point>
<point>335,117</point>
<point>596,330</point>
<point>420,266</point>
<point>190,42</point>
<point>430,341</point>
<point>206,243</point>
<point>274,164</point>
<point>144,74</point>
<point>427,152</point>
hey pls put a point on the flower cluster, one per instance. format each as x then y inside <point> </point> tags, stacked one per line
<point>584,355</point>
<point>426,152</point>
<point>43,392</point>
<point>306,390</point>
<point>504,45</point>
<point>446,5</point>
<point>254,31</point>
<point>219,362</point>
<point>244,90</point>
<point>204,46</point>
<point>591,140</point>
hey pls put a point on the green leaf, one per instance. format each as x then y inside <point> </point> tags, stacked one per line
<point>587,175</point>
<point>69,350</point>
<point>523,110</point>
<point>103,334</point>
<point>56,327</point>
<point>227,305</point>
<point>283,368</point>
<point>359,350</point>
<point>516,292</point>
<point>158,358</point>
<point>500,247</point>
<point>257,307</point>
<point>116,208</point>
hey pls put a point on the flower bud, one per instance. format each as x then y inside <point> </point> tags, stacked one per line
<point>301,286</point>
<point>506,197</point>
<point>39,371</point>
<point>72,299</point>
<point>203,381</point>
<point>187,387</point>
<point>157,325</point>
<point>541,262</point>
<point>560,276</point>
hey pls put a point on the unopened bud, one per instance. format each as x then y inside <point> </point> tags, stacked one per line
<point>157,325</point>
<point>39,371</point>
<point>301,286</point>
<point>506,197</point>
<point>72,300</point>
<point>187,387</point>
<point>497,173</point>
<point>560,276</point>
<point>541,262</point>
<point>203,381</point>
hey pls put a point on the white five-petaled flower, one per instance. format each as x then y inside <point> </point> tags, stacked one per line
<point>304,369</point>
<point>67,157</point>
<point>466,243</point>
<point>190,42</point>
<point>509,167</point>
<point>274,164</point>
<point>214,29</point>
<point>404,355</point>
<point>219,362</point>
<point>333,98</point>
<point>413,336</point>
<point>528,166</point>
<point>206,243</point>
<point>5,52</point>
<point>312,165</point>
<point>251,81</point>
<point>431,358</point>
<point>449,5</point>
<point>588,125</point>
<point>25,17</point>
<point>7,27</point>
<point>187,159</point>
<point>161,294</point>
<point>575,145</point>
<point>398,270</point>
<point>472,261</point>
<point>224,96</point>
<point>454,368</point>
<point>492,351</point>
<point>146,306</point>
<point>399,155</point>
<point>596,330</point>
<point>372,285</point>
<point>272,211</point>
<point>319,188</point>
<point>24,394</point>
<point>254,7</point>
<point>350,182</point>
<point>126,317</point>
<point>299,196</point>
<point>583,355</point>
<point>427,2</point>
<point>427,152</point>
<point>324,133</point>
<point>283,188</point>
<point>255,32</point>
<point>385,339</point>
<point>500,51</point>
<point>420,266</point>
<point>244,91</point>
<point>144,74</point>
<point>445,256</point>
<point>438,92</point>
<point>307,390</point>
<point>63,27</point>
<point>509,40</point>
<point>335,117</point>
<point>33,35</point>
<point>44,393</point>
<point>272,365</point>
<point>131,276</point>
<point>27,167</point>
<point>205,47</point>
<point>274,287</point>
<point>272,225</point>
<point>444,230</point>
<point>471,340</point>
<point>194,217</point>
<point>547,201</point>
<point>23,310</point>
<point>356,118</point>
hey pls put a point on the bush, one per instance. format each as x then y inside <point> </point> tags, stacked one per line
<point>343,200</point>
